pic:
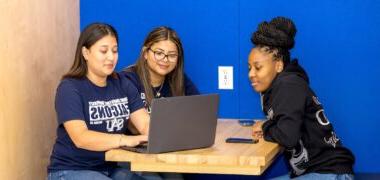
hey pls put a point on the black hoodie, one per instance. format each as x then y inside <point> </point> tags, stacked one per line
<point>296,121</point>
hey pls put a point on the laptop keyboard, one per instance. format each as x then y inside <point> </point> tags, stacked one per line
<point>141,148</point>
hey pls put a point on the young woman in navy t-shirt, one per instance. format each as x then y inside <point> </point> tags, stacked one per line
<point>94,106</point>
<point>159,71</point>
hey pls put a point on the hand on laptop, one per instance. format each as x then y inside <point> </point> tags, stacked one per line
<point>132,141</point>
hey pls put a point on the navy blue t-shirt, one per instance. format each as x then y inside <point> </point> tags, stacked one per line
<point>164,91</point>
<point>104,109</point>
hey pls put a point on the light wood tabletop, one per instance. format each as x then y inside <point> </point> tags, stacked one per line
<point>221,158</point>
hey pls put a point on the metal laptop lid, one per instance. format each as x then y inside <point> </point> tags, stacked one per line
<point>182,123</point>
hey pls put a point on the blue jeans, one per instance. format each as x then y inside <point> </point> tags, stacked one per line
<point>318,176</point>
<point>153,175</point>
<point>117,174</point>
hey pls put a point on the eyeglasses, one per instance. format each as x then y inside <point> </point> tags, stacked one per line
<point>160,56</point>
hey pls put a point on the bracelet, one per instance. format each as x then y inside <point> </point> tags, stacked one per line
<point>121,137</point>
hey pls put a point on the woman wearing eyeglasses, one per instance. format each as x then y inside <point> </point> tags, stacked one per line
<point>159,71</point>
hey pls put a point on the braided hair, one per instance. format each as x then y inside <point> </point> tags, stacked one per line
<point>276,36</point>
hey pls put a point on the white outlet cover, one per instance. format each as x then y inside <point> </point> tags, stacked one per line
<point>226,77</point>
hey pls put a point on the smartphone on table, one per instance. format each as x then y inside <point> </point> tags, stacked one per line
<point>241,140</point>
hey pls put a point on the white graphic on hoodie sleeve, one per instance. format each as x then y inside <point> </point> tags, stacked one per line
<point>321,117</point>
<point>332,140</point>
<point>299,159</point>
<point>113,113</point>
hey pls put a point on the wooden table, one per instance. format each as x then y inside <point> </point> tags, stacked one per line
<point>221,158</point>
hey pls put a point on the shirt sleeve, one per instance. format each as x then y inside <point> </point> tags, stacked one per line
<point>134,99</point>
<point>288,105</point>
<point>68,102</point>
<point>190,88</point>
<point>133,78</point>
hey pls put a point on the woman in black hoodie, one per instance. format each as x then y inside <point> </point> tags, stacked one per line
<point>295,117</point>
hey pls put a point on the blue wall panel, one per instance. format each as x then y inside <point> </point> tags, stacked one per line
<point>213,40</point>
<point>337,42</point>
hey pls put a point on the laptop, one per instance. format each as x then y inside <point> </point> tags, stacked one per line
<point>181,123</point>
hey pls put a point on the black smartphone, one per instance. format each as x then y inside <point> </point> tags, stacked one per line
<point>241,140</point>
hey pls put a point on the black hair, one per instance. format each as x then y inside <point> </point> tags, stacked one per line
<point>276,36</point>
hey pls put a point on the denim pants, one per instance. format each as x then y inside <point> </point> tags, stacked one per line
<point>318,176</point>
<point>117,174</point>
<point>153,175</point>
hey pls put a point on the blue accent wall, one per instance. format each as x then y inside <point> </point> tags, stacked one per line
<point>338,43</point>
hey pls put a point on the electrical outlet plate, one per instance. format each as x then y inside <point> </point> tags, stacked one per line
<point>226,78</point>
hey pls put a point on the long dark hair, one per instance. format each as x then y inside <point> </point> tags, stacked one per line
<point>276,37</point>
<point>174,78</point>
<point>88,37</point>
